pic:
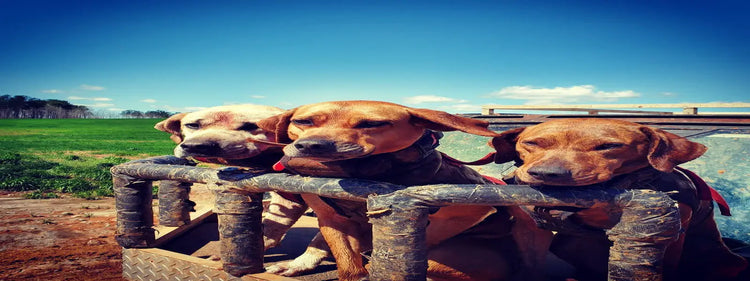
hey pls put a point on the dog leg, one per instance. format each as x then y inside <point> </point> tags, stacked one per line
<point>533,245</point>
<point>466,258</point>
<point>451,220</point>
<point>344,236</point>
<point>282,213</point>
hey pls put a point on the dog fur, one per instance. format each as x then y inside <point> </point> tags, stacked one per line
<point>368,140</point>
<point>219,135</point>
<point>582,152</point>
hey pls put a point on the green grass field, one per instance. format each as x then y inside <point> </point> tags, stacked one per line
<point>73,155</point>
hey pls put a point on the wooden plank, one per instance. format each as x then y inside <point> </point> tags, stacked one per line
<point>166,233</point>
<point>593,106</point>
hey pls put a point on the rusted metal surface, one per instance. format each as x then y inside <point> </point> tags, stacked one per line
<point>174,203</point>
<point>649,219</point>
<point>649,222</point>
<point>135,217</point>
<point>133,196</point>
<point>240,231</point>
<point>398,238</point>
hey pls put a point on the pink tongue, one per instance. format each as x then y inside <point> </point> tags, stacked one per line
<point>278,166</point>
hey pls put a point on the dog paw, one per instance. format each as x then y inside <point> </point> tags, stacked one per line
<point>298,266</point>
<point>285,269</point>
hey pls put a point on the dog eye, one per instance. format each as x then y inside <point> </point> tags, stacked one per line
<point>248,126</point>
<point>530,143</point>
<point>608,146</point>
<point>194,126</point>
<point>302,122</point>
<point>371,124</point>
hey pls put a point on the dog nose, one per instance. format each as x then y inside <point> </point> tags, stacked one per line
<point>205,148</point>
<point>315,146</point>
<point>553,172</point>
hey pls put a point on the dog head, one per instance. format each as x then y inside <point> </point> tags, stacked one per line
<point>342,130</point>
<point>219,132</point>
<point>576,152</point>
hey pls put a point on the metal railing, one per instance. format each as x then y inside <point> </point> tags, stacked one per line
<point>648,223</point>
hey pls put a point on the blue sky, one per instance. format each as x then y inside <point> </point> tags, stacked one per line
<point>447,55</point>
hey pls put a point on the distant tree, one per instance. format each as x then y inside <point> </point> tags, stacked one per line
<point>5,106</point>
<point>132,113</point>
<point>157,114</point>
<point>61,104</point>
<point>28,107</point>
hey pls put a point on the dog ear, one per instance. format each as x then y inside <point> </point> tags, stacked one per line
<point>279,124</point>
<point>505,146</point>
<point>667,150</point>
<point>443,121</point>
<point>172,125</point>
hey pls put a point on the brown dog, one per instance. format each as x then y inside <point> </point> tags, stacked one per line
<point>219,135</point>
<point>393,143</point>
<point>581,152</point>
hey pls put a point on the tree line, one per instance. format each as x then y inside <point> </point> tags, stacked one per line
<point>148,114</point>
<point>16,107</point>
<point>28,107</point>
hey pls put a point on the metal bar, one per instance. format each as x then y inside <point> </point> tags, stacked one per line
<point>398,238</point>
<point>174,203</point>
<point>135,218</point>
<point>649,222</point>
<point>133,196</point>
<point>398,214</point>
<point>240,230</point>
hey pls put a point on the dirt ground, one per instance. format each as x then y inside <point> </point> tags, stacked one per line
<point>58,239</point>
<point>65,238</point>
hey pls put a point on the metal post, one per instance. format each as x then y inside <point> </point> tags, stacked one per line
<point>174,203</point>
<point>240,230</point>
<point>690,110</point>
<point>650,221</point>
<point>398,238</point>
<point>135,218</point>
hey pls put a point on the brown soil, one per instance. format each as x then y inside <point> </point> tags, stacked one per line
<point>58,239</point>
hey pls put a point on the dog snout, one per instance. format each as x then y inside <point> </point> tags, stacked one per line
<point>202,148</point>
<point>315,146</point>
<point>550,173</point>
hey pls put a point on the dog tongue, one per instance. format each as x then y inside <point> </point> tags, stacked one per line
<point>278,166</point>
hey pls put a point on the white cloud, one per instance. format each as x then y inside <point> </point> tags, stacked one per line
<point>52,91</point>
<point>430,99</point>
<point>101,104</point>
<point>149,100</point>
<point>668,94</point>
<point>558,95</point>
<point>170,108</point>
<point>91,87</point>
<point>258,97</point>
<point>115,109</point>
<point>461,108</point>
<point>91,99</point>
